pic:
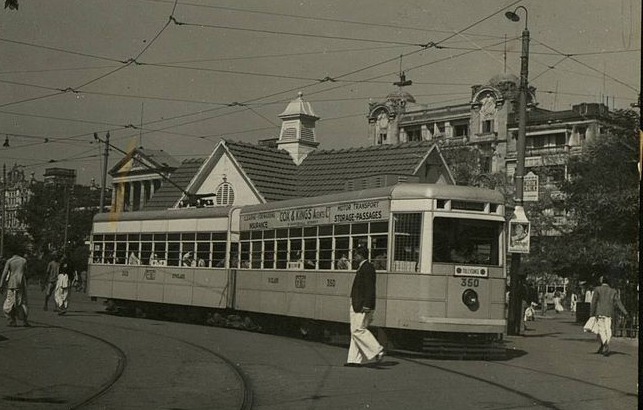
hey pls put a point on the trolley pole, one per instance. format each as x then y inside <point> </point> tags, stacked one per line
<point>516,285</point>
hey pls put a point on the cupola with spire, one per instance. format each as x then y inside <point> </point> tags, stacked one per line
<point>297,134</point>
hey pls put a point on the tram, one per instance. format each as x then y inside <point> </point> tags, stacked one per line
<point>438,250</point>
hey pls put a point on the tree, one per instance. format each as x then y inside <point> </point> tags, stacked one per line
<point>602,201</point>
<point>11,4</point>
<point>51,208</point>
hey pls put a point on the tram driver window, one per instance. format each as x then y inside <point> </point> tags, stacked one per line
<point>466,241</point>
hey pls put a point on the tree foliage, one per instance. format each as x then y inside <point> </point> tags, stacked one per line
<point>602,201</point>
<point>50,208</point>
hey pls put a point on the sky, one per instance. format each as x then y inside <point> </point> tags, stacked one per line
<point>181,75</point>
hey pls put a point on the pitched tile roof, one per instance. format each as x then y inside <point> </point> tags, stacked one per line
<point>271,170</point>
<point>170,193</point>
<point>276,177</point>
<point>160,157</point>
<point>326,171</point>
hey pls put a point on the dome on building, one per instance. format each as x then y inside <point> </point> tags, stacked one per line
<point>504,78</point>
<point>400,95</point>
<point>298,107</point>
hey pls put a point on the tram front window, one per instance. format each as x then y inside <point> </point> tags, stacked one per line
<point>466,241</point>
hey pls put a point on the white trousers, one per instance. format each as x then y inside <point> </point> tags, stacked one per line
<point>364,347</point>
<point>604,325</point>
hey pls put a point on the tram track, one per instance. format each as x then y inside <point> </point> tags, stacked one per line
<point>495,384</point>
<point>113,378</point>
<point>246,396</point>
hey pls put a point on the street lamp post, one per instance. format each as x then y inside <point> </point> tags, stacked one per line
<point>515,300</point>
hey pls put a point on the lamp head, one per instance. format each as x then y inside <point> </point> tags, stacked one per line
<point>511,15</point>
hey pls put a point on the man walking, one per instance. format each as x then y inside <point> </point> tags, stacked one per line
<point>604,300</point>
<point>14,280</point>
<point>53,269</point>
<point>364,347</point>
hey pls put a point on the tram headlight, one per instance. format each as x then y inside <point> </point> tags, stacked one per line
<point>470,299</point>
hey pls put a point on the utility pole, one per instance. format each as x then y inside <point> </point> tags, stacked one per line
<point>104,174</point>
<point>2,213</point>
<point>67,195</point>
<point>519,218</point>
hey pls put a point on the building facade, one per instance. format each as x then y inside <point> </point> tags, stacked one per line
<point>16,191</point>
<point>137,176</point>
<point>488,123</point>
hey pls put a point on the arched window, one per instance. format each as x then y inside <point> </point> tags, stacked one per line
<point>225,194</point>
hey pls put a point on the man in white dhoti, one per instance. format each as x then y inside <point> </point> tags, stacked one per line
<point>62,291</point>
<point>14,280</point>
<point>364,347</point>
<point>604,300</point>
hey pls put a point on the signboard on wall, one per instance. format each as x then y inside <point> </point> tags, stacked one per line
<point>530,187</point>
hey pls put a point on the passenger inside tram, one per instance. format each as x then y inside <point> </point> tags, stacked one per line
<point>343,263</point>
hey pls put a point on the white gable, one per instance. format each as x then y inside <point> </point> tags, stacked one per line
<point>226,167</point>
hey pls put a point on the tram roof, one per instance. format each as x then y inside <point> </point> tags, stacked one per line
<point>394,192</point>
<point>165,214</point>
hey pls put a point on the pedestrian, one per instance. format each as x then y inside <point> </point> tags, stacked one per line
<point>62,290</point>
<point>604,299</point>
<point>558,306</point>
<point>53,269</point>
<point>14,281</point>
<point>573,300</point>
<point>589,294</point>
<point>83,280</point>
<point>542,297</point>
<point>364,347</point>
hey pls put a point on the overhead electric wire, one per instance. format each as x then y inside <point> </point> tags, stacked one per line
<point>60,50</point>
<point>75,89</point>
<point>313,84</point>
<point>322,19</point>
<point>295,34</point>
<point>63,69</point>
<point>571,57</point>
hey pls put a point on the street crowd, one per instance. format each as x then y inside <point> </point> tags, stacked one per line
<point>57,281</point>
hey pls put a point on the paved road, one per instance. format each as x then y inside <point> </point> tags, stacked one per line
<point>66,359</point>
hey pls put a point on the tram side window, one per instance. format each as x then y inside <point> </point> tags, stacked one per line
<point>406,246</point>
<point>378,251</point>
<point>245,255</point>
<point>325,253</point>
<point>269,254</point>
<point>173,250</point>
<point>97,249</point>
<point>146,247</point>
<point>256,254</point>
<point>218,254</point>
<point>310,253</point>
<point>342,253</point>
<point>282,253</point>
<point>120,254</point>
<point>202,254</point>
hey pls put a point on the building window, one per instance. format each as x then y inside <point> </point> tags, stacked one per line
<point>487,126</point>
<point>414,134</point>
<point>225,194</point>
<point>461,130</point>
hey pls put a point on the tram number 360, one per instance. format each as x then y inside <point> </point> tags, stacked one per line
<point>470,282</point>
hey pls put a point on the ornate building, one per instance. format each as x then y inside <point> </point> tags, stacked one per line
<point>16,191</point>
<point>488,122</point>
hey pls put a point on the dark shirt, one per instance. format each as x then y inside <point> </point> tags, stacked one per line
<point>363,290</point>
<point>604,300</point>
